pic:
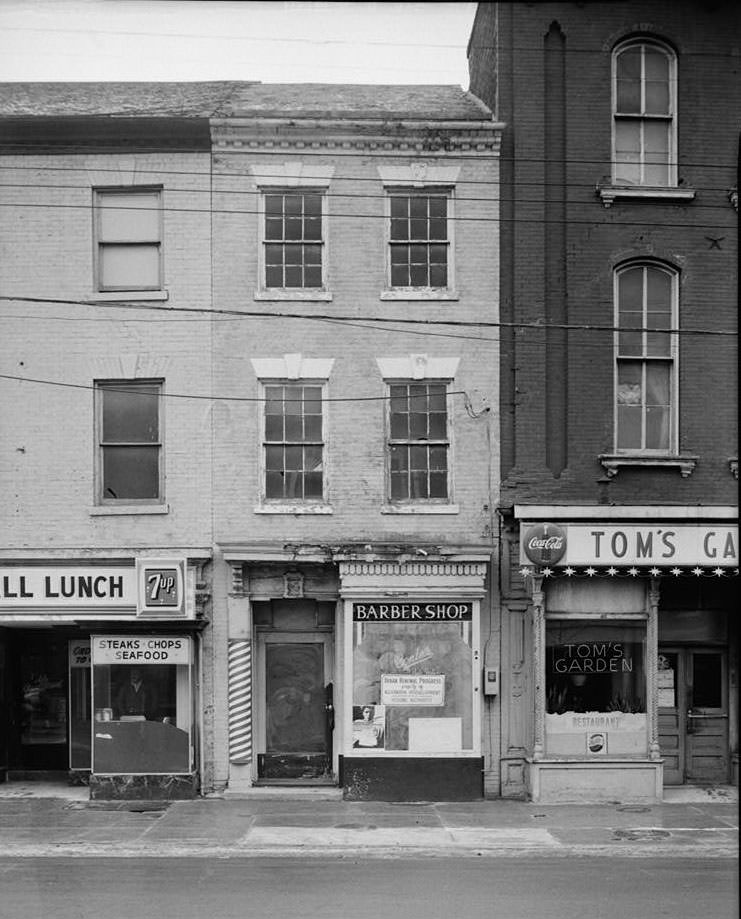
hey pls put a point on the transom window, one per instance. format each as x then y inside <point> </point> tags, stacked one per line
<point>128,234</point>
<point>293,240</point>
<point>646,359</point>
<point>129,441</point>
<point>644,107</point>
<point>418,442</point>
<point>294,442</point>
<point>418,239</point>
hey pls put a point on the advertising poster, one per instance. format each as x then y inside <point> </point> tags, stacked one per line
<point>413,689</point>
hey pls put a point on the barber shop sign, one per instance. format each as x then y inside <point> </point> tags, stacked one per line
<point>544,544</point>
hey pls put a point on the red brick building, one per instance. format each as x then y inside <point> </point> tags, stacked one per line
<point>618,398</point>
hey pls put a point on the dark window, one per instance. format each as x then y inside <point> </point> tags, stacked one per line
<point>294,447</point>
<point>418,442</point>
<point>418,240</point>
<point>293,240</point>
<point>129,441</point>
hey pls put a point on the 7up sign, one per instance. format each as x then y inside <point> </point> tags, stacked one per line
<point>161,587</point>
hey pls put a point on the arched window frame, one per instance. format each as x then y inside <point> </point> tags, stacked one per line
<point>653,354</point>
<point>645,120</point>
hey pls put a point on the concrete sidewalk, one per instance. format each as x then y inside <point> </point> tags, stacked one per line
<point>690,823</point>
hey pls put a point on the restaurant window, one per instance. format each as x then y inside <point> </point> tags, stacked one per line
<point>129,442</point>
<point>646,363</point>
<point>644,114</point>
<point>142,705</point>
<point>413,680</point>
<point>595,687</point>
<point>128,237</point>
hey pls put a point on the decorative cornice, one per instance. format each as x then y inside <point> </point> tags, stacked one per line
<point>417,367</point>
<point>418,174</point>
<point>292,367</point>
<point>291,174</point>
<point>414,569</point>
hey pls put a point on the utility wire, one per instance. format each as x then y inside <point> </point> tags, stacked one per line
<point>401,320</point>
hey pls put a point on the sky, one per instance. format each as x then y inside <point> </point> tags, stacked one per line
<point>274,42</point>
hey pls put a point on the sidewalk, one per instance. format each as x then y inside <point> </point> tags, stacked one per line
<point>695,823</point>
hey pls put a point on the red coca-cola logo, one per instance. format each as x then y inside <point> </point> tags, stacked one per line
<point>544,544</point>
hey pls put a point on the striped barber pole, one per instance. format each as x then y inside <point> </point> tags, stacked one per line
<point>240,702</point>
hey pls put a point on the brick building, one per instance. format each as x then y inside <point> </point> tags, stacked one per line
<point>618,398</point>
<point>255,469</point>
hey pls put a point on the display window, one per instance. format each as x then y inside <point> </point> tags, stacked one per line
<point>595,687</point>
<point>413,678</point>
<point>142,704</point>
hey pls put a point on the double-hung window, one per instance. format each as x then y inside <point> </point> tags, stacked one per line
<point>294,442</point>
<point>128,239</point>
<point>644,115</point>
<point>646,359</point>
<point>419,240</point>
<point>129,435</point>
<point>293,244</point>
<point>418,444</point>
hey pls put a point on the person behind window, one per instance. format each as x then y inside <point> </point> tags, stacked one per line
<point>137,698</point>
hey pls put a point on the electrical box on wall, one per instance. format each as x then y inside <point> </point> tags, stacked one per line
<point>491,681</point>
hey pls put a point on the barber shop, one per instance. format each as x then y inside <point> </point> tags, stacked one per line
<point>97,676</point>
<point>634,638</point>
<point>360,674</point>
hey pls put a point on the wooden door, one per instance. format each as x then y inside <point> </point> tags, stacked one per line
<point>693,715</point>
<point>295,717</point>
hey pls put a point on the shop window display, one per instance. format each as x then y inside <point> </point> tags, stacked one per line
<point>595,687</point>
<point>142,706</point>
<point>412,686</point>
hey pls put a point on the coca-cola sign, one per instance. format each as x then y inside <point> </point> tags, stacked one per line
<point>544,544</point>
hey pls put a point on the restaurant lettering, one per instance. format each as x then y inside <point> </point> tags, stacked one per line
<point>412,612</point>
<point>592,657</point>
<point>55,587</point>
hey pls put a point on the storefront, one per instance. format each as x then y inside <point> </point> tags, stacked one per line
<point>634,652</point>
<point>98,664</point>
<point>360,675</point>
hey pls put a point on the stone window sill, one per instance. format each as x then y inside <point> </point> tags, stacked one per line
<point>120,510</point>
<point>420,509</point>
<point>613,462</point>
<point>431,294</point>
<point>608,193</point>
<point>306,295</point>
<point>308,509</point>
<point>111,296</point>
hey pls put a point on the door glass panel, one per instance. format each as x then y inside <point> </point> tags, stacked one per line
<point>707,674</point>
<point>296,721</point>
<point>667,679</point>
<point>43,705</point>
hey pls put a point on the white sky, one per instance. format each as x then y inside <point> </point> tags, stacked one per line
<point>275,42</point>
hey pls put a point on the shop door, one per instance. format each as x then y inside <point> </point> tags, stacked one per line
<point>38,732</point>
<point>693,715</point>
<point>296,715</point>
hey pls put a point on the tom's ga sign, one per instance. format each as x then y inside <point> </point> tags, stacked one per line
<point>661,546</point>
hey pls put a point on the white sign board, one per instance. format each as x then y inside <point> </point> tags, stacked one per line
<point>141,649</point>
<point>413,689</point>
<point>88,588</point>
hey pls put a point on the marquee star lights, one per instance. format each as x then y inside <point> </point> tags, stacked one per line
<point>612,572</point>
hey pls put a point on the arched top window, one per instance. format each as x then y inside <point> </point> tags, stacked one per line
<point>644,81</point>
<point>646,314</point>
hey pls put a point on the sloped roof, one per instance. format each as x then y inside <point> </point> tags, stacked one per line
<point>240,99</point>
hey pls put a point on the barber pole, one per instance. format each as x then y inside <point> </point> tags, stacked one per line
<point>240,702</point>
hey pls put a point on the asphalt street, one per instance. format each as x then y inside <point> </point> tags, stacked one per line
<point>360,888</point>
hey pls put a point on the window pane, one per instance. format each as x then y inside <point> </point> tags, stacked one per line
<point>313,228</point>
<point>131,413</point>
<point>418,207</point>
<point>438,458</point>
<point>129,218</point>
<point>629,427</point>
<point>274,277</point>
<point>707,680</point>
<point>274,458</point>
<point>629,81</point>
<point>399,206</point>
<point>294,277</point>
<point>399,228</point>
<point>313,485</point>
<point>657,82</point>
<point>418,229</point>
<point>657,428</point>
<point>273,427</point>
<point>438,485</point>
<point>274,484</point>
<point>438,206</point>
<point>129,267</point>
<point>294,228</point>
<point>274,228</point>
<point>293,205</point>
<point>293,457</point>
<point>418,484</point>
<point>399,276</point>
<point>418,457</point>
<point>656,141</point>
<point>294,427</point>
<point>658,383</point>
<point>274,255</point>
<point>399,458</point>
<point>399,486</point>
<point>658,289</point>
<point>130,473</point>
<point>630,289</point>
<point>418,276</point>
<point>629,406</point>
<point>438,426</point>
<point>312,255</point>
<point>399,426</point>
<point>313,427</point>
<point>418,425</point>
<point>274,205</point>
<point>627,152</point>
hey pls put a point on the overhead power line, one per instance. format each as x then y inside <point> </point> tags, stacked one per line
<point>537,325</point>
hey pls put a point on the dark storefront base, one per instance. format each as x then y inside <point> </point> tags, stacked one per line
<point>387,779</point>
<point>143,787</point>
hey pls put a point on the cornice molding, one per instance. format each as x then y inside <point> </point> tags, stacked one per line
<point>292,367</point>
<point>418,367</point>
